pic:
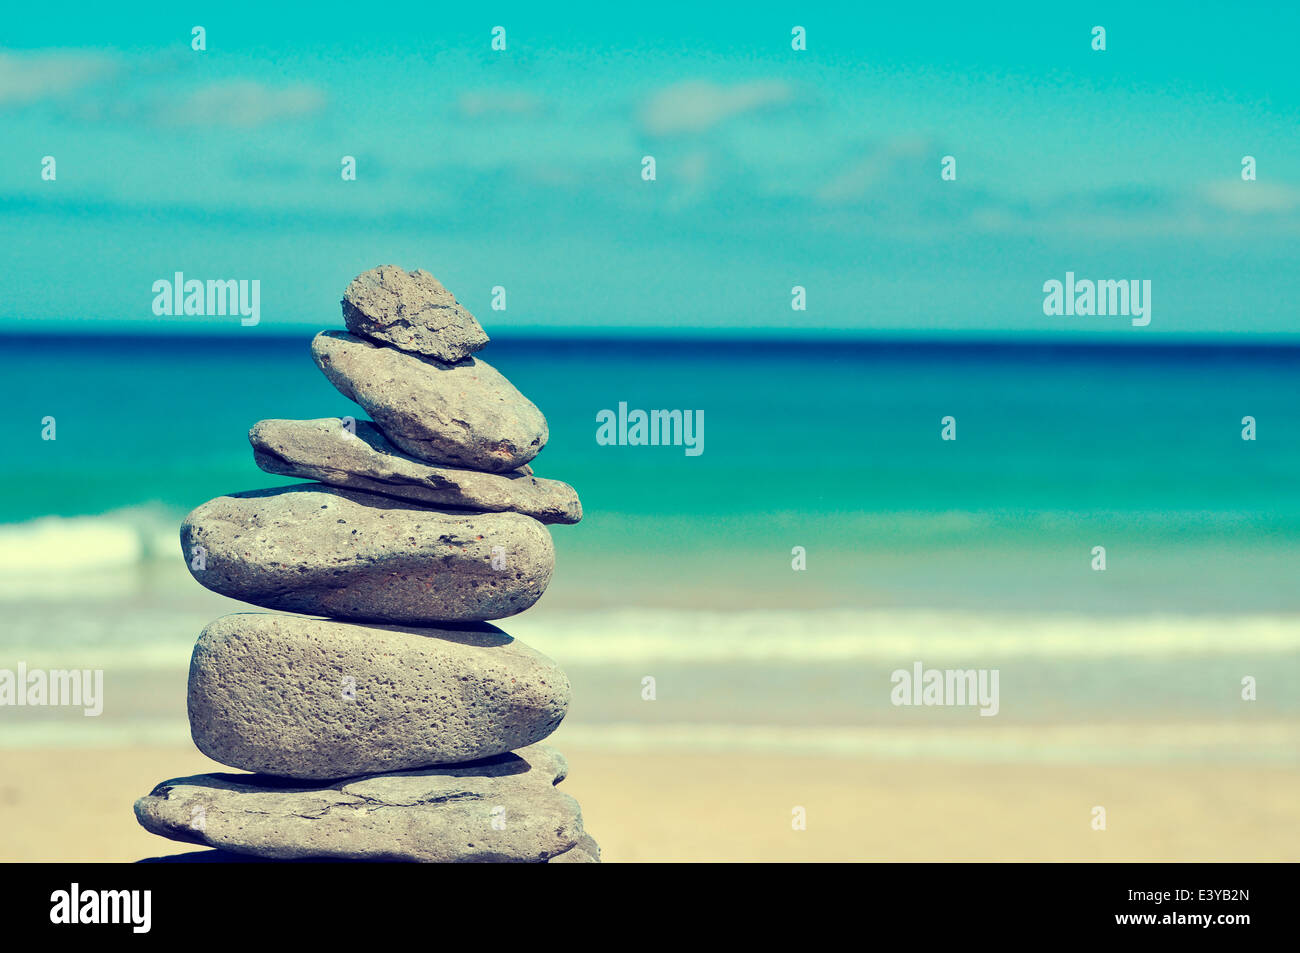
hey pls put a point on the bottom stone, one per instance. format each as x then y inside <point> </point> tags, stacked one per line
<point>504,809</point>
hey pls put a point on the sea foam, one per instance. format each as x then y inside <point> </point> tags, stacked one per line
<point>639,635</point>
<point>118,539</point>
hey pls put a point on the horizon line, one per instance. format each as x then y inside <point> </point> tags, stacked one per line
<point>70,331</point>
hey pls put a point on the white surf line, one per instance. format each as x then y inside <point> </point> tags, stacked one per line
<point>636,636</point>
<point>1264,741</point>
<point>627,636</point>
<point>1276,742</point>
<point>142,658</point>
<point>71,734</point>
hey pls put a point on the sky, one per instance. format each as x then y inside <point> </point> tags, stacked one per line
<point>522,168</point>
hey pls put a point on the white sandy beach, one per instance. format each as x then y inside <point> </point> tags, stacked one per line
<point>75,805</point>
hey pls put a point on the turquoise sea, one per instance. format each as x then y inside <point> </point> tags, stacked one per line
<point>975,552</point>
<point>833,447</point>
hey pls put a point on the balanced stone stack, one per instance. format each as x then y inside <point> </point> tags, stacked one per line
<point>401,726</point>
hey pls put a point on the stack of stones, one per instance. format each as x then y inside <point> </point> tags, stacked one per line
<point>401,726</point>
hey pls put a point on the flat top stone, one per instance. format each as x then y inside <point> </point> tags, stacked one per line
<point>323,550</point>
<point>505,808</point>
<point>411,310</point>
<point>358,456</point>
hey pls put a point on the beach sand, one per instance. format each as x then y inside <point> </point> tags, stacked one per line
<point>75,805</point>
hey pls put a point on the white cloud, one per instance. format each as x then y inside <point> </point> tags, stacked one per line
<point>497,102</point>
<point>242,103</point>
<point>49,74</point>
<point>699,106</point>
<point>77,82</point>
<point>879,167</point>
<point>1252,198</point>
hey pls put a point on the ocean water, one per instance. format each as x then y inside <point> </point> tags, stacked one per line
<point>968,553</point>
<point>833,447</point>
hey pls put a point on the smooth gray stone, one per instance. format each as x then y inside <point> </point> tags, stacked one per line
<point>505,808</point>
<point>411,311</point>
<point>322,550</point>
<point>316,699</point>
<point>464,415</point>
<point>327,450</point>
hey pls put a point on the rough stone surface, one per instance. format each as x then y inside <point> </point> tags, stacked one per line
<point>465,415</point>
<point>211,855</point>
<point>328,451</point>
<point>435,815</point>
<point>323,550</point>
<point>586,851</point>
<point>316,699</point>
<point>411,310</point>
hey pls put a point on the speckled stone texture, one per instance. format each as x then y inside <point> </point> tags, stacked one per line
<point>322,550</point>
<point>317,699</point>
<point>359,458</point>
<point>462,415</point>
<point>411,310</point>
<point>505,808</point>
